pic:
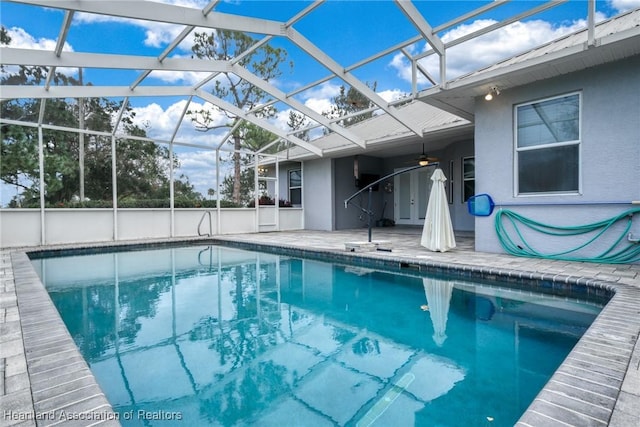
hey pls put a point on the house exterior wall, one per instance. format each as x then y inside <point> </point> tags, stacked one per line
<point>610,153</point>
<point>318,194</point>
<point>460,217</point>
<point>351,216</point>
<point>23,227</point>
<point>283,178</point>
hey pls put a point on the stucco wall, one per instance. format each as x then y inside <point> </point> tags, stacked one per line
<point>460,217</point>
<point>318,194</point>
<point>22,227</point>
<point>610,151</point>
<point>283,179</point>
<point>351,216</point>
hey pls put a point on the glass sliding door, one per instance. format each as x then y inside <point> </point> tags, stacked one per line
<point>411,196</point>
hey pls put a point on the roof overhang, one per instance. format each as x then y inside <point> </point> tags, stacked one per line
<point>574,53</point>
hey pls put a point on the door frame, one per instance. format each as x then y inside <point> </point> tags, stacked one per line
<point>418,195</point>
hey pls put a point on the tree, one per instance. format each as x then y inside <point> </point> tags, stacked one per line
<point>350,101</point>
<point>266,62</point>
<point>142,166</point>
<point>298,121</point>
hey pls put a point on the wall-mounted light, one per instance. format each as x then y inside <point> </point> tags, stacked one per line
<point>492,92</point>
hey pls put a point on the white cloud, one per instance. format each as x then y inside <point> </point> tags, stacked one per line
<point>319,100</point>
<point>161,123</point>
<point>23,40</point>
<point>157,34</point>
<point>490,48</point>
<point>392,94</point>
<point>319,105</point>
<point>186,77</point>
<point>20,39</point>
<point>624,5</point>
<point>195,163</point>
<point>199,166</point>
<point>197,4</point>
<point>281,119</point>
<point>319,97</point>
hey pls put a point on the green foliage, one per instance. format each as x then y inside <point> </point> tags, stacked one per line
<point>142,166</point>
<point>298,121</point>
<point>246,183</point>
<point>270,201</point>
<point>265,62</point>
<point>131,203</point>
<point>350,101</point>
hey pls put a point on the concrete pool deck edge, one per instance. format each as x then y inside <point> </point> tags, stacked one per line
<point>59,388</point>
<point>598,384</point>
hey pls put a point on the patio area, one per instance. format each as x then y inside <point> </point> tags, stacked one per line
<point>43,373</point>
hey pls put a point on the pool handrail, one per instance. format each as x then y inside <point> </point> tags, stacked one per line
<point>369,187</point>
<point>209,234</point>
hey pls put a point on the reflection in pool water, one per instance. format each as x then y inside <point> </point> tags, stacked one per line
<point>221,336</point>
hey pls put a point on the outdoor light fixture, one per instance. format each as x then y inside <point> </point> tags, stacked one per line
<point>492,92</point>
<point>424,160</point>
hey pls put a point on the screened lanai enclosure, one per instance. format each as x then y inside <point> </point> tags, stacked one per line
<point>201,120</point>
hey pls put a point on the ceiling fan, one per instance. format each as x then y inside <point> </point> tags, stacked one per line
<point>424,160</point>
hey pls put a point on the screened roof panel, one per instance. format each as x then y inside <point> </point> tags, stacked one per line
<point>141,50</point>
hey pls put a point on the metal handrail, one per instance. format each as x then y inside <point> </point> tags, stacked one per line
<point>210,250</point>
<point>369,187</point>
<point>200,224</point>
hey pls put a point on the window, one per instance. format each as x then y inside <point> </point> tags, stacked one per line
<point>548,145</point>
<point>468,178</point>
<point>295,186</point>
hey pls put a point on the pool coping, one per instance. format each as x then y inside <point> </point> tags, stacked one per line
<point>597,384</point>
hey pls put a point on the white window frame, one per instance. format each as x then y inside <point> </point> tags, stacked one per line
<point>517,150</point>
<point>464,180</point>
<point>298,187</point>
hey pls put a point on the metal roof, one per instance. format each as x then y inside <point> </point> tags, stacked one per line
<point>385,137</point>
<point>611,40</point>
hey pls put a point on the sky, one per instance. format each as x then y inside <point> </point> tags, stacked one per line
<point>348,31</point>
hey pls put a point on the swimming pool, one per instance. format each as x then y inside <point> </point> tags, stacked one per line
<point>221,336</point>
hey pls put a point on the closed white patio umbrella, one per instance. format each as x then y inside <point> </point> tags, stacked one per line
<point>437,234</point>
<point>438,293</point>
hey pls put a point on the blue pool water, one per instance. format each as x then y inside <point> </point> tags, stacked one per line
<point>208,335</point>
